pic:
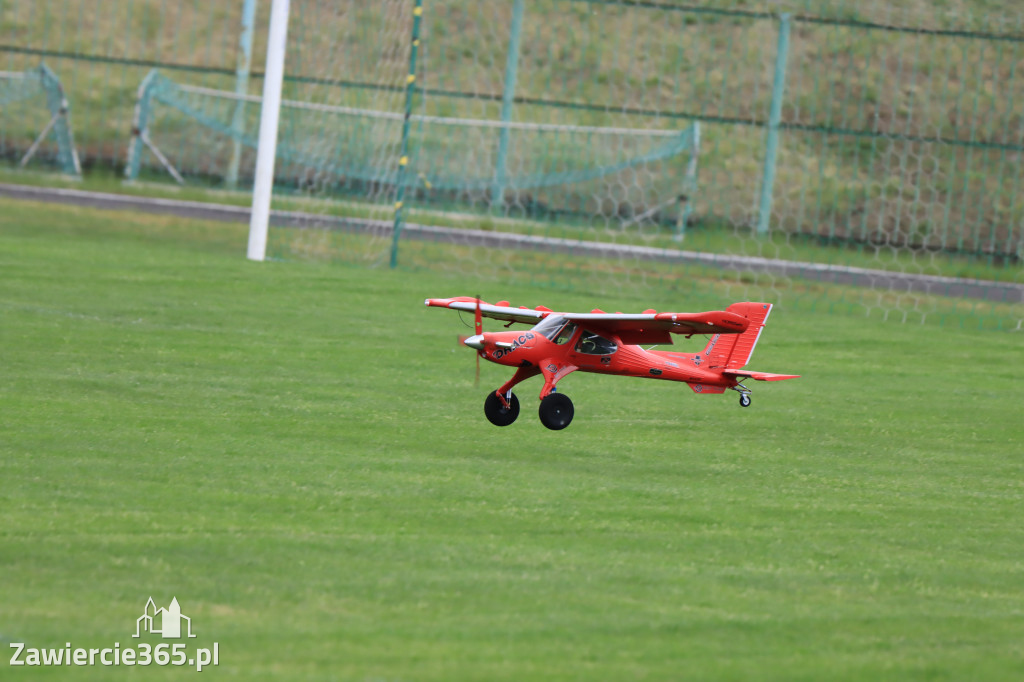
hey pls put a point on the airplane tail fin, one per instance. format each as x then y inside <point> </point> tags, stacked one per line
<point>733,351</point>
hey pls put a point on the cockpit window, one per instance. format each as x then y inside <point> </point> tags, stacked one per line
<point>565,335</point>
<point>595,344</point>
<point>550,326</point>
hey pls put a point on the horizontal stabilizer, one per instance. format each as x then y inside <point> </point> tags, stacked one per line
<point>759,376</point>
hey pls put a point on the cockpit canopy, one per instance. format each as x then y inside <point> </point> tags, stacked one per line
<point>558,329</point>
<point>555,328</point>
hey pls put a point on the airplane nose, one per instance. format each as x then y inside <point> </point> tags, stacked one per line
<point>476,341</point>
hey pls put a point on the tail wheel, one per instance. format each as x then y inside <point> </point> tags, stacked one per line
<point>497,413</point>
<point>744,400</point>
<point>556,411</point>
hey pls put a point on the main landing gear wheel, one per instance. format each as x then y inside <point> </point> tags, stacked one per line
<point>497,413</point>
<point>744,400</point>
<point>556,411</point>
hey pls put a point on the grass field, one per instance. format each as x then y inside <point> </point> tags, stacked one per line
<point>298,454</point>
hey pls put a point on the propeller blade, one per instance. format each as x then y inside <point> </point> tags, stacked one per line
<point>478,327</point>
<point>476,345</point>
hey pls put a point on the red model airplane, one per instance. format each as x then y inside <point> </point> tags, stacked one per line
<point>609,343</point>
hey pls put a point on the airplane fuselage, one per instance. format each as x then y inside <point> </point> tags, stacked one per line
<point>528,349</point>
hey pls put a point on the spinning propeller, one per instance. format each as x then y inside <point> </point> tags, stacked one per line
<point>476,341</point>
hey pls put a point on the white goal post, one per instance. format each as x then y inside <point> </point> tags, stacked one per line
<point>263,186</point>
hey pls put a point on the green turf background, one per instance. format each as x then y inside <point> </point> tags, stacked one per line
<point>298,454</point>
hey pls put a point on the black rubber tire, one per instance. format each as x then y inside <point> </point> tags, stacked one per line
<point>744,401</point>
<point>497,413</point>
<point>556,411</point>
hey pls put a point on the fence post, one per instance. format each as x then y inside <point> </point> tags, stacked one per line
<point>140,121</point>
<point>410,91</point>
<point>507,102</point>
<point>689,183</point>
<point>774,121</point>
<point>241,88</point>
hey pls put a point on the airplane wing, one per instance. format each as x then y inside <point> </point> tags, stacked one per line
<point>654,327</point>
<point>503,311</point>
<point>639,328</point>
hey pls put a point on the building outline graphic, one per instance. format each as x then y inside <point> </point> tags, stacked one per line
<point>170,621</point>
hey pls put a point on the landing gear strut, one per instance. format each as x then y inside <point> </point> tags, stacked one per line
<point>498,412</point>
<point>744,394</point>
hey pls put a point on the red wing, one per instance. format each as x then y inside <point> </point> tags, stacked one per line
<point>641,328</point>
<point>656,325</point>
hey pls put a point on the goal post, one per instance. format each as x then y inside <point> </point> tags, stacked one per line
<point>17,87</point>
<point>263,185</point>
